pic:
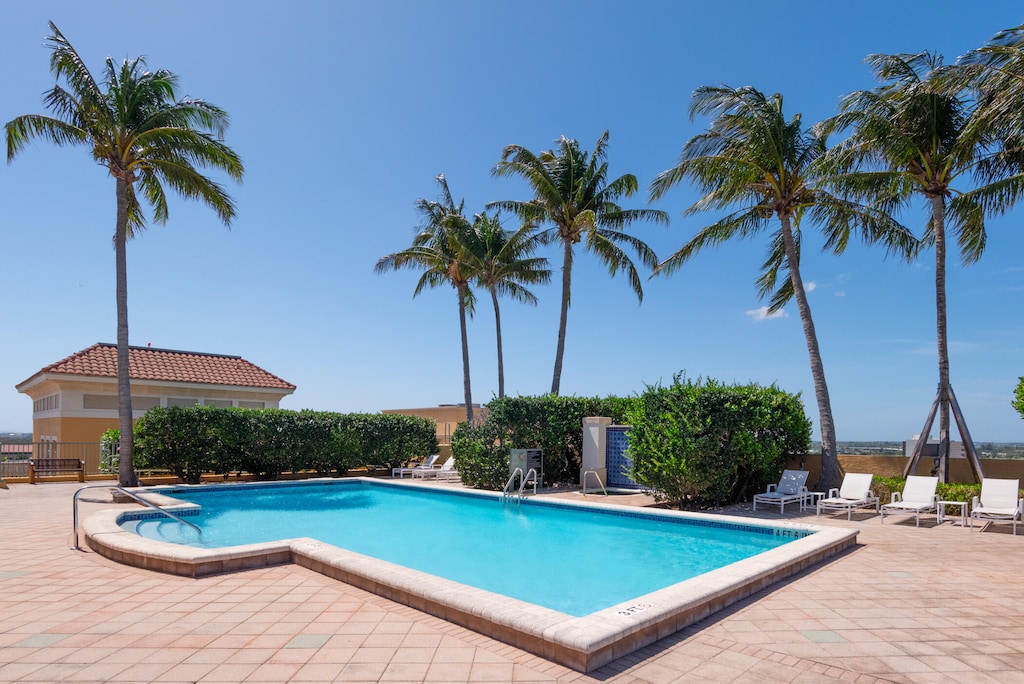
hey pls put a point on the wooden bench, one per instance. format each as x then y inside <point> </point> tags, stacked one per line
<point>43,467</point>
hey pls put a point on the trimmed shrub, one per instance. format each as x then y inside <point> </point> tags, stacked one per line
<point>268,442</point>
<point>700,443</point>
<point>480,457</point>
<point>554,424</point>
<point>185,441</point>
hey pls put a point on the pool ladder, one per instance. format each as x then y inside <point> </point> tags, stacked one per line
<point>136,497</point>
<point>510,490</point>
<point>596,475</point>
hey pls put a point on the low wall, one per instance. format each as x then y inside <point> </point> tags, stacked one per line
<point>892,466</point>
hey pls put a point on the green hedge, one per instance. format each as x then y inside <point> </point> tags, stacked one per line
<point>267,442</point>
<point>554,424</point>
<point>701,443</point>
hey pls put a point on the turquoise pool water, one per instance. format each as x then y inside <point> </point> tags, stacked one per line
<point>571,559</point>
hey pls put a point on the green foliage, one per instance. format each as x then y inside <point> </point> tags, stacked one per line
<point>958,491</point>
<point>551,423</point>
<point>480,457</point>
<point>698,443</point>
<point>268,442</point>
<point>1018,398</point>
<point>883,487</point>
<point>186,441</point>
<point>109,450</point>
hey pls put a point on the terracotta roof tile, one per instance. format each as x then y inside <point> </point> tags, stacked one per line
<point>147,363</point>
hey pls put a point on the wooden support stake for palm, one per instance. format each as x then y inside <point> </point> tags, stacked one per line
<point>961,424</point>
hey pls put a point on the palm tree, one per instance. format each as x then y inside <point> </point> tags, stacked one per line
<point>146,139</point>
<point>915,136</point>
<point>439,251</point>
<point>754,162</point>
<point>572,192</point>
<point>504,265</point>
<point>996,72</point>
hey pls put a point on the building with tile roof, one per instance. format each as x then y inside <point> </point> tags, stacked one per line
<point>75,399</point>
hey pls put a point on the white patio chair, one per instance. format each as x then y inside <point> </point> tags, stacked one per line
<point>918,496</point>
<point>791,488</point>
<point>445,472</point>
<point>855,492</point>
<point>999,500</point>
<point>429,463</point>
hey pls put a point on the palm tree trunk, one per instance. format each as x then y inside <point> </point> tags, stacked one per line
<point>829,454</point>
<point>939,228</point>
<point>501,360</point>
<point>125,468</point>
<point>564,316</point>
<point>461,289</point>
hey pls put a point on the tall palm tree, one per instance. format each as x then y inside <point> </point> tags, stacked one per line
<point>505,266</point>
<point>146,139</point>
<point>572,192</point>
<point>439,251</point>
<point>915,136</point>
<point>763,167</point>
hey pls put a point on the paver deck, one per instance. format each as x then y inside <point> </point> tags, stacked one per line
<point>935,604</point>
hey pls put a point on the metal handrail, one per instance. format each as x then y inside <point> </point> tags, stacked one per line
<point>584,481</point>
<point>526,480</point>
<point>506,491</point>
<point>74,503</point>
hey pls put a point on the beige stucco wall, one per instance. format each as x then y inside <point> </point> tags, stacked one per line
<point>71,422</point>
<point>447,418</point>
<point>72,429</point>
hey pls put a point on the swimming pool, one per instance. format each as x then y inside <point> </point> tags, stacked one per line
<point>576,561</point>
<point>583,643</point>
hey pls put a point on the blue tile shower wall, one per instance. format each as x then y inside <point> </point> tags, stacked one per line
<point>615,459</point>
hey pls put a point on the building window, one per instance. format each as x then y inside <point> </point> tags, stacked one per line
<point>219,403</point>
<point>48,403</point>
<point>183,402</point>
<point>108,402</point>
<point>100,402</point>
<point>252,404</point>
<point>144,403</point>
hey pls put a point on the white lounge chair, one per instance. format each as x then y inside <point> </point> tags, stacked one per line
<point>790,489</point>
<point>445,472</point>
<point>855,492</point>
<point>999,500</point>
<point>430,463</point>
<point>918,496</point>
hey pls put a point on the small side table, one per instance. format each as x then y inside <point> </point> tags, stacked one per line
<point>940,515</point>
<point>811,500</point>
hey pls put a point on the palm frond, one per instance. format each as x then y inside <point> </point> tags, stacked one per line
<point>23,129</point>
<point>742,223</point>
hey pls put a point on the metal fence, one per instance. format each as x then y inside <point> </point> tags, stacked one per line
<point>14,461</point>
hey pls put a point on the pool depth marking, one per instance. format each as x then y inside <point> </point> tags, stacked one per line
<point>583,643</point>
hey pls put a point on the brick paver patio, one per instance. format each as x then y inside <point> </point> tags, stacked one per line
<point>935,604</point>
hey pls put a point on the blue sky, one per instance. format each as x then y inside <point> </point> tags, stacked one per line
<point>345,112</point>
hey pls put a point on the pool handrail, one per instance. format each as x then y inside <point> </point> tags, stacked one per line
<point>531,476</point>
<point>136,497</point>
<point>584,481</point>
<point>506,491</point>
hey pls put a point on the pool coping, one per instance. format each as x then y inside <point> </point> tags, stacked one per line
<point>581,643</point>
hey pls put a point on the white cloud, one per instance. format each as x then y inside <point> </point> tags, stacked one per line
<point>840,293</point>
<point>762,314</point>
<point>810,286</point>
